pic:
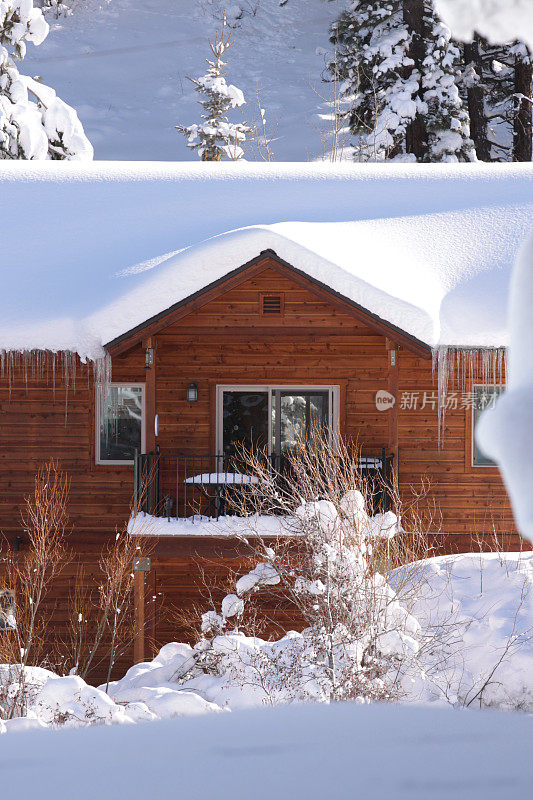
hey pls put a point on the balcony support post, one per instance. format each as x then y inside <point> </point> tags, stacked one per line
<point>150,346</point>
<point>393,412</point>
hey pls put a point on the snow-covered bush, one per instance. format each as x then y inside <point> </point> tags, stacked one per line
<point>475,638</point>
<point>34,122</point>
<point>357,639</point>
<point>216,138</point>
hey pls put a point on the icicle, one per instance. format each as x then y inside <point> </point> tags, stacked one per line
<point>102,378</point>
<point>40,365</point>
<point>460,369</point>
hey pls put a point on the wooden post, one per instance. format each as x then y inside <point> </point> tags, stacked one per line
<point>150,344</point>
<point>393,413</point>
<point>149,614</point>
<point>138,607</point>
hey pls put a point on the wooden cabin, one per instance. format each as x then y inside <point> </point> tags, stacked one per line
<point>256,355</point>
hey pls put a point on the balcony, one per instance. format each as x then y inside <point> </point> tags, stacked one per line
<point>179,486</point>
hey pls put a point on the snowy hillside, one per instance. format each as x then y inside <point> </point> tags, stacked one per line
<point>123,66</point>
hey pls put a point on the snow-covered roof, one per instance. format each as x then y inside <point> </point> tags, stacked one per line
<point>90,251</point>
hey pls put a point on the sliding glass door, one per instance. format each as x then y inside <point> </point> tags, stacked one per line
<point>245,417</point>
<point>298,416</point>
<point>273,419</point>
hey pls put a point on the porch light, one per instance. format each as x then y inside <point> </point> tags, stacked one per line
<point>192,392</point>
<point>149,357</point>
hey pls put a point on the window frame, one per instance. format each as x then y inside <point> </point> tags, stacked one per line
<point>472,413</point>
<point>98,408</point>
<point>4,628</point>
<point>333,412</point>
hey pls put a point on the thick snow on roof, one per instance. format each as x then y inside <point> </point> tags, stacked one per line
<point>88,252</point>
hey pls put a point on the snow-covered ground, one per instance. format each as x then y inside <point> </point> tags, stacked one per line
<point>481,607</point>
<point>124,65</point>
<point>309,752</point>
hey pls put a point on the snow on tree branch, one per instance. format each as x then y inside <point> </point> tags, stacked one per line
<point>498,20</point>
<point>34,122</point>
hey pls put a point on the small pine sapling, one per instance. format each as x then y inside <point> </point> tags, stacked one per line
<point>216,138</point>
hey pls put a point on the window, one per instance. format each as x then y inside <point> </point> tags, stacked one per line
<point>121,423</point>
<point>7,610</point>
<point>274,419</point>
<point>483,397</point>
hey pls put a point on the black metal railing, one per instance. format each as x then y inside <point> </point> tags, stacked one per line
<point>179,486</point>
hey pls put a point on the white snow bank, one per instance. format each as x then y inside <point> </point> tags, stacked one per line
<point>480,606</point>
<point>53,701</point>
<point>505,431</point>
<point>498,20</point>
<point>307,752</point>
<point>428,248</point>
<point>475,613</point>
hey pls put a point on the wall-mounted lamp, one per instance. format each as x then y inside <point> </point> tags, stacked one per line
<point>192,392</point>
<point>17,541</point>
<point>149,357</point>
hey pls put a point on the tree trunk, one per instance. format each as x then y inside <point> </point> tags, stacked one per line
<point>476,104</point>
<point>416,139</point>
<point>523,129</point>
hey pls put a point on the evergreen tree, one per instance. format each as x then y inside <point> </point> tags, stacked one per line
<point>216,138</point>
<point>399,69</point>
<point>376,75</point>
<point>497,80</point>
<point>34,122</point>
<point>447,120</point>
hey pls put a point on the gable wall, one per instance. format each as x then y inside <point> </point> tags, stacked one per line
<point>228,342</point>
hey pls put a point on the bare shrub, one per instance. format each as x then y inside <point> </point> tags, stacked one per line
<point>30,575</point>
<point>101,626</point>
<point>101,619</point>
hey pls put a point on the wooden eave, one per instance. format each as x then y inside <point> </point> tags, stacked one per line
<point>267,259</point>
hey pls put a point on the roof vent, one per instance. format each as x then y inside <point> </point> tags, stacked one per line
<point>271,305</point>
